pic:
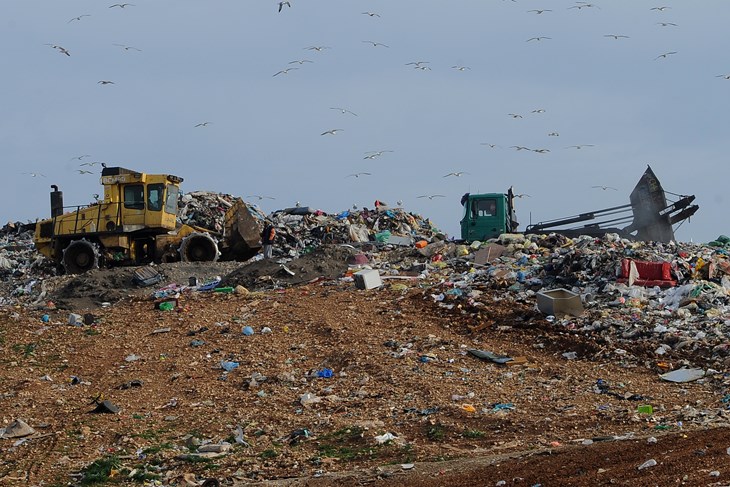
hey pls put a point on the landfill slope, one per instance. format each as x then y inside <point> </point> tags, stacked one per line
<point>459,366</point>
<point>399,365</point>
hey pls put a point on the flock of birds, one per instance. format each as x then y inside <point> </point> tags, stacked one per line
<point>294,65</point>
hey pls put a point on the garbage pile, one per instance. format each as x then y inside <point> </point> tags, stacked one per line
<point>301,229</point>
<point>685,315</point>
<point>20,264</point>
<point>207,209</point>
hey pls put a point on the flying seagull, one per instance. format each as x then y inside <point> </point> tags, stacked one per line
<point>78,18</point>
<point>417,63</point>
<point>665,24</point>
<point>374,154</point>
<point>665,55</point>
<point>34,174</point>
<point>538,12</point>
<point>375,44</point>
<point>79,157</point>
<point>127,48</point>
<point>431,196</point>
<point>537,38</point>
<point>661,9</point>
<point>522,195</point>
<point>519,147</point>
<point>371,14</point>
<point>343,110</point>
<point>331,132</point>
<point>615,36</point>
<point>84,171</point>
<point>579,146</point>
<point>260,196</point>
<point>90,164</point>
<point>105,82</point>
<point>122,5</point>
<point>284,71</point>
<point>60,49</point>
<point>541,151</point>
<point>316,48</point>
<point>460,68</point>
<point>202,124</point>
<point>726,76</point>
<point>538,110</point>
<point>300,61</point>
<point>553,134</point>
<point>491,146</point>
<point>514,115</point>
<point>281,5</point>
<point>583,5</point>
<point>358,174</point>
<point>605,187</point>
<point>422,68</point>
<point>457,174</point>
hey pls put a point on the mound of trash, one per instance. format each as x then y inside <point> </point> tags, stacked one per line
<point>328,261</point>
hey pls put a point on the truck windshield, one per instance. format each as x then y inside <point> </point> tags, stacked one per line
<point>171,199</point>
<point>154,196</point>
<point>485,207</point>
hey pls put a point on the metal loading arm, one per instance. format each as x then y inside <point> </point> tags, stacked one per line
<point>615,210</point>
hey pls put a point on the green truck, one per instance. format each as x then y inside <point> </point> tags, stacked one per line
<point>648,216</point>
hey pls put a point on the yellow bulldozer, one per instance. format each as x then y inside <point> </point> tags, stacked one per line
<point>136,223</point>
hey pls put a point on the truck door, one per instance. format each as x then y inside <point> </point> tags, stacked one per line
<point>133,207</point>
<point>484,218</point>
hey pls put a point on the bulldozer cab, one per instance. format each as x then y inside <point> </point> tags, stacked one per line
<point>142,201</point>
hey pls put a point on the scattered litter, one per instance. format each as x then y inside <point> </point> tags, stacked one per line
<point>491,356</point>
<point>16,429</point>
<point>647,464</point>
<point>683,375</point>
<point>385,438</point>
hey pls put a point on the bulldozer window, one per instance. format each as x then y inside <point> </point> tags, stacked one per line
<point>134,197</point>
<point>154,196</point>
<point>487,207</point>
<point>171,199</point>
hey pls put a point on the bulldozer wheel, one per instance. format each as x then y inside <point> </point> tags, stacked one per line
<point>199,247</point>
<point>80,256</point>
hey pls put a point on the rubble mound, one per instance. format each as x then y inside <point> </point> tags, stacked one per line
<point>97,285</point>
<point>328,261</point>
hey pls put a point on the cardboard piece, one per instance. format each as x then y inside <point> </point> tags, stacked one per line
<point>488,253</point>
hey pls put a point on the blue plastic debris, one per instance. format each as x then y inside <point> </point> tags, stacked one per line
<point>503,407</point>
<point>228,366</point>
<point>325,373</point>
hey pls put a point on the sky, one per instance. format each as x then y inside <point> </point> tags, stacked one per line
<point>592,110</point>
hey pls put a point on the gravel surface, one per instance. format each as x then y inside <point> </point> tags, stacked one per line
<point>399,365</point>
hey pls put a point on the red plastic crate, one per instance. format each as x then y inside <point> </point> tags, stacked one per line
<point>650,273</point>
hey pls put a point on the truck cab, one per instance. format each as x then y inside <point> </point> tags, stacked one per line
<point>487,215</point>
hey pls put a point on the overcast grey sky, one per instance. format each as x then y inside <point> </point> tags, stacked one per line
<point>195,61</point>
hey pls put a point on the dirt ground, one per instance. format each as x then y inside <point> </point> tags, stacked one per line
<point>405,404</point>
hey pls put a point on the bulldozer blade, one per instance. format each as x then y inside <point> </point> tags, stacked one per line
<point>647,202</point>
<point>242,232</point>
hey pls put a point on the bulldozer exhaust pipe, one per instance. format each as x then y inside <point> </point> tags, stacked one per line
<point>56,202</point>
